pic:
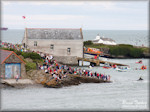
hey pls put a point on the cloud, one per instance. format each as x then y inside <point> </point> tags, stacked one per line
<point>41,17</point>
<point>106,4</point>
<point>5,3</point>
<point>92,14</point>
<point>44,2</point>
<point>42,20</point>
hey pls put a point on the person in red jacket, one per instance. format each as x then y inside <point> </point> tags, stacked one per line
<point>98,75</point>
<point>95,57</point>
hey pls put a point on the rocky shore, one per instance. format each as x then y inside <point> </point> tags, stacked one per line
<point>41,79</point>
<point>72,80</point>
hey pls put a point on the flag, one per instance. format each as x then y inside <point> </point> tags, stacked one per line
<point>23,17</point>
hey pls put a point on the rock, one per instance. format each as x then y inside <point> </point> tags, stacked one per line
<point>43,80</point>
<point>40,77</point>
<point>53,84</point>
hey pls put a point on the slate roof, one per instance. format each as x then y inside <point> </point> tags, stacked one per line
<point>4,54</point>
<point>60,34</point>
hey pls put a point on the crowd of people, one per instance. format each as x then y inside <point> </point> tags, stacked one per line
<point>18,47</point>
<point>57,70</point>
<point>60,71</point>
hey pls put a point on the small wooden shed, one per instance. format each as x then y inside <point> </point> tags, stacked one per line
<point>11,65</point>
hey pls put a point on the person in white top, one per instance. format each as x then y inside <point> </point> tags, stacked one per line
<point>51,57</point>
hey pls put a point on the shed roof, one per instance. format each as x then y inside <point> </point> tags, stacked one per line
<point>4,54</point>
<point>54,33</point>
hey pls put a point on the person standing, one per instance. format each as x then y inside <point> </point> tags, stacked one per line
<point>17,78</point>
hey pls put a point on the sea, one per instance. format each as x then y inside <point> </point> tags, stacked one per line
<point>133,37</point>
<point>125,93</point>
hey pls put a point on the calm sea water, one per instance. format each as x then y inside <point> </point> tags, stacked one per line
<point>134,37</point>
<point>125,93</point>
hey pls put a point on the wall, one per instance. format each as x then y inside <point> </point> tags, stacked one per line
<point>72,60</point>
<point>2,70</point>
<point>60,47</point>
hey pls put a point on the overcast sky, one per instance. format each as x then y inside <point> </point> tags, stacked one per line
<point>100,15</point>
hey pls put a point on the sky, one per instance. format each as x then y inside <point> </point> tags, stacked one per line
<point>88,15</point>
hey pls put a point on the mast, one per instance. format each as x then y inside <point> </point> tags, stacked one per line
<point>26,37</point>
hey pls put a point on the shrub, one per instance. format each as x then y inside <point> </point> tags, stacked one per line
<point>30,66</point>
<point>120,50</point>
<point>25,55</point>
<point>126,50</point>
<point>31,55</point>
<point>89,42</point>
<point>136,52</point>
<point>18,52</point>
<point>34,56</point>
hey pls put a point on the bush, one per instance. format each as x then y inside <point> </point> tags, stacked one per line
<point>120,50</point>
<point>89,42</point>
<point>25,55</point>
<point>136,52</point>
<point>30,66</point>
<point>31,55</point>
<point>34,56</point>
<point>126,50</point>
<point>18,52</point>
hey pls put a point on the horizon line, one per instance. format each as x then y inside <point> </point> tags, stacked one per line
<point>73,28</point>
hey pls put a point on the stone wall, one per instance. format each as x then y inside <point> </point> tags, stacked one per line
<point>13,59</point>
<point>2,70</point>
<point>70,60</point>
<point>60,47</point>
<point>23,71</point>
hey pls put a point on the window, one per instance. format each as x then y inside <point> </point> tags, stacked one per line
<point>24,44</point>
<point>35,43</point>
<point>69,50</point>
<point>52,46</point>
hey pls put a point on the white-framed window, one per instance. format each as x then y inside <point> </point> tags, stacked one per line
<point>35,43</point>
<point>52,46</point>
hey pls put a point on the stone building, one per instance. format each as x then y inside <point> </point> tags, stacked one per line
<point>11,65</point>
<point>64,44</point>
